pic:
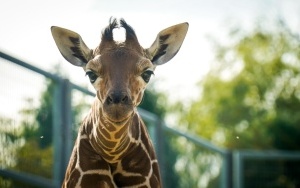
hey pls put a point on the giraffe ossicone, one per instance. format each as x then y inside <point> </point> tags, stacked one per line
<point>113,147</point>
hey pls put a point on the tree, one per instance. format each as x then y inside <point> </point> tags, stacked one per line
<point>154,101</point>
<point>9,141</point>
<point>37,130</point>
<point>251,97</point>
<point>252,88</point>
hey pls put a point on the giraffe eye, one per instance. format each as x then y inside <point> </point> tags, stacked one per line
<point>147,75</point>
<point>92,76</point>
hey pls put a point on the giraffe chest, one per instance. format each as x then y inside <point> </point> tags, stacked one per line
<point>87,169</point>
<point>90,170</point>
<point>129,163</point>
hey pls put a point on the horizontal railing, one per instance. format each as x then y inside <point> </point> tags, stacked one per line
<point>27,178</point>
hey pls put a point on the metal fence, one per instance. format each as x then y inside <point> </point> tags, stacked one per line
<point>185,160</point>
<point>266,169</point>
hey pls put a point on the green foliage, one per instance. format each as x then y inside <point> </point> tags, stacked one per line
<point>10,141</point>
<point>35,160</point>
<point>250,99</point>
<point>23,146</point>
<point>154,101</point>
<point>35,156</point>
<point>251,96</point>
<point>44,116</point>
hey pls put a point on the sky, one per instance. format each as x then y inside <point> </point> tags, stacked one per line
<point>25,34</point>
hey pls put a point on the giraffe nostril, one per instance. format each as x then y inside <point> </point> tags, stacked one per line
<point>125,99</point>
<point>109,100</point>
<point>117,98</point>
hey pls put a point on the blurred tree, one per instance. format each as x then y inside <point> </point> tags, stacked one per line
<point>154,101</point>
<point>44,116</point>
<point>10,141</point>
<point>29,157</point>
<point>251,97</point>
<point>37,131</point>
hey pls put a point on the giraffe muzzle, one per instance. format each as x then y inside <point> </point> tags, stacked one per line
<point>118,106</point>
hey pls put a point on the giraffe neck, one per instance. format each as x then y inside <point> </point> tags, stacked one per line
<point>111,139</point>
<point>110,154</point>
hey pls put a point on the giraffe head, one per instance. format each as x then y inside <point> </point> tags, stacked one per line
<point>119,71</point>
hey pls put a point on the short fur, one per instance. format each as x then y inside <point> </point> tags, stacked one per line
<point>113,147</point>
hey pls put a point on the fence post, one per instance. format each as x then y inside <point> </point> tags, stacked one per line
<point>160,147</point>
<point>67,122</point>
<point>62,129</point>
<point>237,170</point>
<point>226,171</point>
<point>57,134</point>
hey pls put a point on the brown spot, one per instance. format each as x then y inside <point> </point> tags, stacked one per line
<point>147,141</point>
<point>137,161</point>
<point>155,168</point>
<point>96,180</point>
<point>73,178</point>
<point>154,181</point>
<point>123,181</point>
<point>89,159</point>
<point>135,127</point>
<point>155,178</point>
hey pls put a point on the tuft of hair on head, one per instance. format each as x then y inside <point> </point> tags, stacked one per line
<point>107,34</point>
<point>131,38</point>
<point>129,30</point>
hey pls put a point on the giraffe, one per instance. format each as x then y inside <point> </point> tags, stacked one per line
<point>113,147</point>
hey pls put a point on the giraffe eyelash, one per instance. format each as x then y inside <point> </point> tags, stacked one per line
<point>146,75</point>
<point>92,76</point>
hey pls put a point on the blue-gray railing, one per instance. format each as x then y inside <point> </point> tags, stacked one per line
<point>231,172</point>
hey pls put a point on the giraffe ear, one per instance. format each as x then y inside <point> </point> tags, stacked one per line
<point>167,43</point>
<point>71,46</point>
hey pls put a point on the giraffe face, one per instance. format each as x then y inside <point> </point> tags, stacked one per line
<point>119,77</point>
<point>119,71</point>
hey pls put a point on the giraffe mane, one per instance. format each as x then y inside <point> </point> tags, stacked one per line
<point>107,34</point>
<point>130,33</point>
<point>107,41</point>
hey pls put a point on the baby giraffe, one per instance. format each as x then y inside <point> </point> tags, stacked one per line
<point>113,147</point>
